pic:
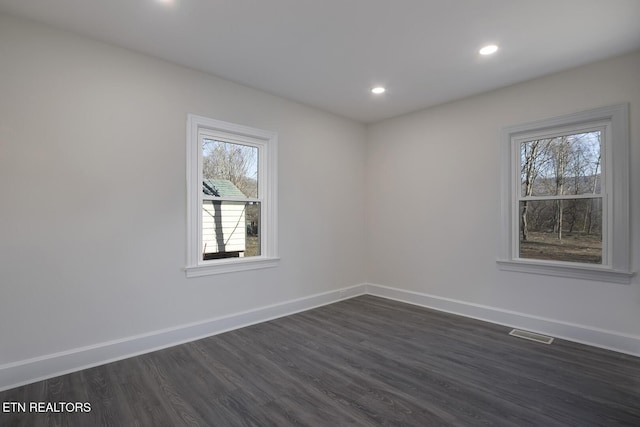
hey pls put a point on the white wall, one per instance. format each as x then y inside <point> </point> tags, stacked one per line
<point>93,209</point>
<point>442,167</point>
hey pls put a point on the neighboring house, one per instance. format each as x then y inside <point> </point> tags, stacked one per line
<point>223,222</point>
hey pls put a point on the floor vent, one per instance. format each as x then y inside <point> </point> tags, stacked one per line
<point>531,336</point>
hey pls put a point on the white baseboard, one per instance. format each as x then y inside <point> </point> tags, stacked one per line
<point>52,365</point>
<point>610,340</point>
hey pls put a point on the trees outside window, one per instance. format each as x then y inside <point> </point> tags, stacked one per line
<point>231,206</point>
<point>561,198</point>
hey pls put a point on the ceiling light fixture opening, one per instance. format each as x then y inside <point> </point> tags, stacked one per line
<point>378,90</point>
<point>488,49</point>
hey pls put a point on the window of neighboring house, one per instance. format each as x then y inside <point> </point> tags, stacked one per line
<point>231,178</point>
<point>566,196</point>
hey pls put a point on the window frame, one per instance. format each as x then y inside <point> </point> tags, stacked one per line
<point>266,142</point>
<point>613,122</point>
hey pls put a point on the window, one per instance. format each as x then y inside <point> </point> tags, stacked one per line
<point>565,196</point>
<point>231,196</point>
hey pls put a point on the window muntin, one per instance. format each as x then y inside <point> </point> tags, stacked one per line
<point>231,199</point>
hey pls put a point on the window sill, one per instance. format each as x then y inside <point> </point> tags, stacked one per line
<point>230,266</point>
<point>585,272</point>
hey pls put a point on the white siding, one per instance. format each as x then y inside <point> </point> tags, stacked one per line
<point>233,227</point>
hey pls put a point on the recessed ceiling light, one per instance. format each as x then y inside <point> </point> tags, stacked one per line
<point>378,90</point>
<point>167,2</point>
<point>488,49</point>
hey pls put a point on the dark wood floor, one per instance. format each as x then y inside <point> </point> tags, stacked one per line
<point>363,362</point>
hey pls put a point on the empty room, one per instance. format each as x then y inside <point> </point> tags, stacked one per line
<point>319,212</point>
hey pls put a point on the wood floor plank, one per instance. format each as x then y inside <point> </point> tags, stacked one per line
<point>366,361</point>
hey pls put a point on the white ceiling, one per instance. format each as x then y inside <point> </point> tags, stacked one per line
<point>329,53</point>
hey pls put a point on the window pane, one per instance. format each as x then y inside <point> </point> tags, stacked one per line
<point>229,170</point>
<point>561,230</point>
<point>563,165</point>
<point>230,229</point>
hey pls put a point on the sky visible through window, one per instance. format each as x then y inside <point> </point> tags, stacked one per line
<point>563,165</point>
<point>234,162</point>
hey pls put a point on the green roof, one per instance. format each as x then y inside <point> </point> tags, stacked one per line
<point>220,188</point>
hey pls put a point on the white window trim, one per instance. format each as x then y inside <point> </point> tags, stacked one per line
<point>615,121</point>
<point>267,142</point>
